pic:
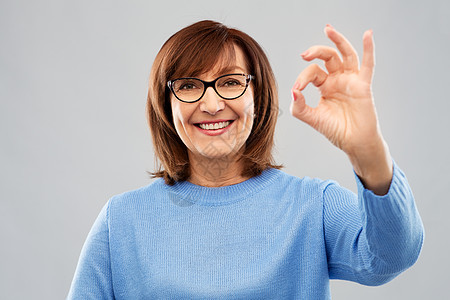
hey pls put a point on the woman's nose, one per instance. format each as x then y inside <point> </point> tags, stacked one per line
<point>211,102</point>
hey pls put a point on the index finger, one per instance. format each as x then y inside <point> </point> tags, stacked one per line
<point>349,56</point>
<point>368,61</point>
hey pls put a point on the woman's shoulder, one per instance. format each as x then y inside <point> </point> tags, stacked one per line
<point>304,181</point>
<point>308,192</point>
<point>147,193</point>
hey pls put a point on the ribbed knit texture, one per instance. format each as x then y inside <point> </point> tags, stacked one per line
<point>273,236</point>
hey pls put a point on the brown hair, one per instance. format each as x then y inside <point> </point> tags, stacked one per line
<point>192,51</point>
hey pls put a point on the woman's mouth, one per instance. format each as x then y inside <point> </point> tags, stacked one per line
<point>213,128</point>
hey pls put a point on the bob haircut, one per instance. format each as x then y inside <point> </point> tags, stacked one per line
<point>192,51</point>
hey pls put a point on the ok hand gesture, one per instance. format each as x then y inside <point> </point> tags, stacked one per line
<point>346,112</point>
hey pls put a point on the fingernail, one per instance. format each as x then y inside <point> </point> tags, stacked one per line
<point>328,25</point>
<point>305,53</point>
<point>293,95</point>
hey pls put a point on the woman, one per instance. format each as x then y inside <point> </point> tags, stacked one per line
<point>226,223</point>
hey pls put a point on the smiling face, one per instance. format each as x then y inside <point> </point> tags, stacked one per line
<point>213,127</point>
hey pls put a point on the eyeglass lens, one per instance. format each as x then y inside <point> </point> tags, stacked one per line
<point>228,87</point>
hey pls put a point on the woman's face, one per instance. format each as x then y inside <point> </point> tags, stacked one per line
<point>193,120</point>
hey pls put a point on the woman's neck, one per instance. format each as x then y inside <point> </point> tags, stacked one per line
<point>215,172</point>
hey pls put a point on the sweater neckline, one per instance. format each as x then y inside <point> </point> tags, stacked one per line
<point>186,193</point>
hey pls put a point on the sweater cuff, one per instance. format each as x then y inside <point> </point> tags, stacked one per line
<point>393,207</point>
<point>362,190</point>
<point>398,181</point>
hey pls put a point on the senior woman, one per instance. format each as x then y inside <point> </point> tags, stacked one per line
<point>223,221</point>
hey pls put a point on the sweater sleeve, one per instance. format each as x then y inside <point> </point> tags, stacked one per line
<point>371,239</point>
<point>92,279</point>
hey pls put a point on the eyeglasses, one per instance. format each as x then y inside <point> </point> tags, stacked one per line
<point>228,87</point>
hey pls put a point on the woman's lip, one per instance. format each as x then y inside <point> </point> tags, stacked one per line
<point>213,132</point>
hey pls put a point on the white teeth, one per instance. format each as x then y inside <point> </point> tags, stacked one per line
<point>214,126</point>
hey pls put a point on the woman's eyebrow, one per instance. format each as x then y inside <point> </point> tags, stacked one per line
<point>231,69</point>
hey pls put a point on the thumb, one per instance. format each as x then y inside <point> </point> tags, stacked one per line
<point>300,109</point>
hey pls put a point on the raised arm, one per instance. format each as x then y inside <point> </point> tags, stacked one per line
<point>373,237</point>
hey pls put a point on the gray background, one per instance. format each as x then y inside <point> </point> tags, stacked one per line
<point>73,83</point>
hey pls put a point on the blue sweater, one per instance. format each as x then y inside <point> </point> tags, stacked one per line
<point>274,236</point>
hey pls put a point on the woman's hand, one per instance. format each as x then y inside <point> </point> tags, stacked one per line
<point>346,112</point>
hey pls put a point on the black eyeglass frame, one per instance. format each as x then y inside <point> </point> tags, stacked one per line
<point>207,84</point>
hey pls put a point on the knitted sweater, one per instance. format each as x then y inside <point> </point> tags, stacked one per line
<point>273,236</point>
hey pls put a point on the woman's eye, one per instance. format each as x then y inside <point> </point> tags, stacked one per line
<point>188,86</point>
<point>231,83</point>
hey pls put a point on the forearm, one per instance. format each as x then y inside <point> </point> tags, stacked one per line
<point>392,224</point>
<point>372,239</point>
<point>373,165</point>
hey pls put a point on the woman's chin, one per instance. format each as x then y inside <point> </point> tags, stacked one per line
<point>219,151</point>
<point>217,154</point>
